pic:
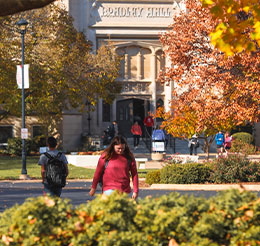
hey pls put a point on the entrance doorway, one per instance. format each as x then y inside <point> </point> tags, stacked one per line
<point>127,112</point>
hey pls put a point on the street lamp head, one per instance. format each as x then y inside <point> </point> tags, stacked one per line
<point>22,24</point>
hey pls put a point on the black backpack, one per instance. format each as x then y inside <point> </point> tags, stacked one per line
<point>55,170</point>
<point>106,163</point>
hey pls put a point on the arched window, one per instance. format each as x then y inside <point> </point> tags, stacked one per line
<point>159,103</point>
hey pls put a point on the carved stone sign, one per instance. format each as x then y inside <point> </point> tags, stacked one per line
<point>135,87</point>
<point>134,14</point>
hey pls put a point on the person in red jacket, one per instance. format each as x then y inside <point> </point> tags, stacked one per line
<point>149,123</point>
<point>137,132</point>
<point>116,176</point>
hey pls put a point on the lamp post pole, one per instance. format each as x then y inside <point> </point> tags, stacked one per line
<point>22,25</point>
<point>24,170</point>
<point>89,119</point>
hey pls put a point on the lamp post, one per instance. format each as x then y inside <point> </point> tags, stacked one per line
<point>22,24</point>
<point>89,119</point>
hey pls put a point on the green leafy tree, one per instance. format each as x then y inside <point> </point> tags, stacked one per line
<point>64,73</point>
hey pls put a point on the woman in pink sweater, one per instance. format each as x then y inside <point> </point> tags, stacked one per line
<point>116,175</point>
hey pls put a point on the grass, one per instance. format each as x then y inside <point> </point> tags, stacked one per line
<point>10,168</point>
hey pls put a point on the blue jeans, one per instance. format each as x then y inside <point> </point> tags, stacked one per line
<point>52,191</point>
<point>108,192</point>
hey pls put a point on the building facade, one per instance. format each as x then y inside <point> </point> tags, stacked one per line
<point>133,28</point>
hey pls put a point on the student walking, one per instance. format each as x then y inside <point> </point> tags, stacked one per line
<point>193,144</point>
<point>114,166</point>
<point>228,142</point>
<point>137,132</point>
<point>54,169</point>
<point>149,123</point>
<point>112,130</point>
<point>220,140</point>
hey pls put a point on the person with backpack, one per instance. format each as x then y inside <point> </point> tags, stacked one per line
<point>112,130</point>
<point>220,140</point>
<point>114,168</point>
<point>193,144</point>
<point>54,169</point>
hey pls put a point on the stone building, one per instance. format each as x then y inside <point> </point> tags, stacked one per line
<point>133,27</point>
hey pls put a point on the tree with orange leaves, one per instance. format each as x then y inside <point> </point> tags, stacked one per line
<point>211,91</point>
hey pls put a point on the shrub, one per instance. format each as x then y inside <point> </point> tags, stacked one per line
<point>239,146</point>
<point>38,221</point>
<point>37,142</point>
<point>244,137</point>
<point>153,177</point>
<point>230,218</point>
<point>190,173</point>
<point>14,146</point>
<point>235,169</point>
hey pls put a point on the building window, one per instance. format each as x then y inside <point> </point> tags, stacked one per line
<point>159,104</point>
<point>5,133</point>
<point>37,131</point>
<point>106,111</point>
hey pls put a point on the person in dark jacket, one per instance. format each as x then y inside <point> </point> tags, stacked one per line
<point>112,130</point>
<point>193,144</point>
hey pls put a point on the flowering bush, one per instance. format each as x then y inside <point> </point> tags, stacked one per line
<point>235,169</point>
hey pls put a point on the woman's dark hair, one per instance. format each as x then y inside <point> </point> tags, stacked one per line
<point>109,151</point>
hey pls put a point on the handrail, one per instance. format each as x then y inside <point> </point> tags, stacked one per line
<point>147,139</point>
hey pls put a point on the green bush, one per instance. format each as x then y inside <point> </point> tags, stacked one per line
<point>239,146</point>
<point>230,218</point>
<point>38,221</point>
<point>244,137</point>
<point>190,173</point>
<point>153,177</point>
<point>235,169</point>
<point>14,146</point>
<point>37,142</point>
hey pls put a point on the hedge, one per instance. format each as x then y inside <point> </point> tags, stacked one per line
<point>231,169</point>
<point>244,137</point>
<point>190,173</point>
<point>230,218</point>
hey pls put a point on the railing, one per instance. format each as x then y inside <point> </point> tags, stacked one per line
<point>147,139</point>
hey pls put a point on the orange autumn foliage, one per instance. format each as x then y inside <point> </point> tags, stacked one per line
<point>211,92</point>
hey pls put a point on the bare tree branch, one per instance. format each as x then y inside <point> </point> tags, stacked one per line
<point>9,7</point>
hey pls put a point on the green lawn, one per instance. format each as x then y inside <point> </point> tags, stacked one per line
<point>10,168</point>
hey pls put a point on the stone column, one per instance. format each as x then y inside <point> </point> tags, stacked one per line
<point>114,110</point>
<point>153,81</point>
<point>168,89</point>
<point>126,65</point>
<point>139,65</point>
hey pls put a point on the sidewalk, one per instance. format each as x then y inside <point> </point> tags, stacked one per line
<point>144,186</point>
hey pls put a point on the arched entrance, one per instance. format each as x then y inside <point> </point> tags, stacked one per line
<point>128,111</point>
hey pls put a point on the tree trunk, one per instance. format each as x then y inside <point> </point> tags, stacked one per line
<point>9,7</point>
